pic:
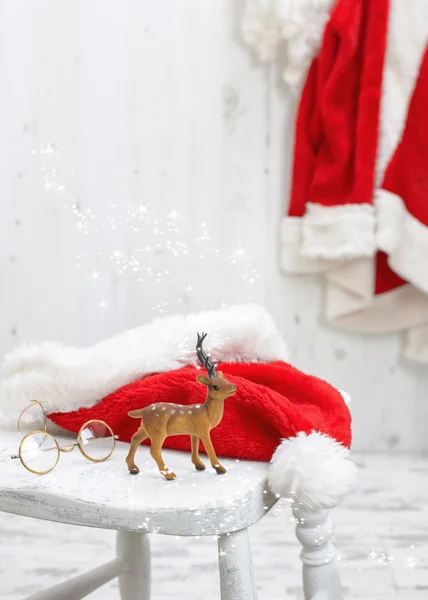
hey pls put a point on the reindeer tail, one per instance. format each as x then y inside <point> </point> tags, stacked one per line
<point>136,414</point>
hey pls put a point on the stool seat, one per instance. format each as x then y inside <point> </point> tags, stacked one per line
<point>105,495</point>
<point>196,503</point>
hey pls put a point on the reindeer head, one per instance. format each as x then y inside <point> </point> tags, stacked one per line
<point>218,387</point>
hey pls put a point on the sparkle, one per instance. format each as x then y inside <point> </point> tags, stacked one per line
<point>410,562</point>
<point>81,227</point>
<point>141,210</point>
<point>49,150</point>
<point>162,234</point>
<point>94,275</point>
<point>51,185</point>
<point>239,253</point>
<point>372,555</point>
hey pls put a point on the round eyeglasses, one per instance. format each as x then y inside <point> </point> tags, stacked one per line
<point>39,451</point>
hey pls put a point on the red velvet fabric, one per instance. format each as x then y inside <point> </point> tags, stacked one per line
<point>386,279</point>
<point>273,401</point>
<point>338,119</point>
<point>337,125</point>
<point>407,173</point>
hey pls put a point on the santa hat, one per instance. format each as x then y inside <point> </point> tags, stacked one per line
<point>358,206</point>
<point>274,401</point>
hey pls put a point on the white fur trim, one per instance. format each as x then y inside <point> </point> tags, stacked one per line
<point>338,232</point>
<point>346,397</point>
<point>66,378</point>
<point>313,469</point>
<point>297,25</point>
<point>404,53</point>
<point>261,28</point>
<point>403,238</point>
<point>325,236</point>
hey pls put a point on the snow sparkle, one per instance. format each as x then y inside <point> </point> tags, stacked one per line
<point>154,247</point>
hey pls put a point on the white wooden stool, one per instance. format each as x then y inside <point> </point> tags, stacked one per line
<point>201,503</point>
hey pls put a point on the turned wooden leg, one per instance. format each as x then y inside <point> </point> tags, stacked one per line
<point>215,463</point>
<point>138,437</point>
<point>320,574</point>
<point>199,465</point>
<point>134,549</point>
<point>236,569</point>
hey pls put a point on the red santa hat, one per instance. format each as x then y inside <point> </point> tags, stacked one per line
<point>299,422</point>
<point>359,197</point>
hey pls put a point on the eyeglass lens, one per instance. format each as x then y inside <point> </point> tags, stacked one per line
<point>39,452</point>
<point>96,440</point>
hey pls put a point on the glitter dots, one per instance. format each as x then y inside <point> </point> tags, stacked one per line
<point>139,241</point>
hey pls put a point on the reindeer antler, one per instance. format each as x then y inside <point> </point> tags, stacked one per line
<point>204,359</point>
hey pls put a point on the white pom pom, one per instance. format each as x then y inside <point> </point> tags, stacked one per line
<point>312,469</point>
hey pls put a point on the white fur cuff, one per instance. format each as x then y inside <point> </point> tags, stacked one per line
<point>403,238</point>
<point>338,232</point>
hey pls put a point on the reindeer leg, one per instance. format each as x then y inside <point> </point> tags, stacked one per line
<point>155,451</point>
<point>212,455</point>
<point>139,436</point>
<point>199,465</point>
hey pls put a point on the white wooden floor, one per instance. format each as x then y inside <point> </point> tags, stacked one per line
<point>381,538</point>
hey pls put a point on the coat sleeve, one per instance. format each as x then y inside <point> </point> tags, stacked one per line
<point>337,134</point>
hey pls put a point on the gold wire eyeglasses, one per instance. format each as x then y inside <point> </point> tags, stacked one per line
<point>39,451</point>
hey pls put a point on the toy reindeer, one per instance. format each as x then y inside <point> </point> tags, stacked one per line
<point>162,419</point>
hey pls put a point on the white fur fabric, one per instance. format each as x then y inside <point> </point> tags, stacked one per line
<point>313,470</point>
<point>66,378</point>
<point>338,232</point>
<point>292,27</point>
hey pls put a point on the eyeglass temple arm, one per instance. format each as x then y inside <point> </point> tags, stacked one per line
<point>45,450</point>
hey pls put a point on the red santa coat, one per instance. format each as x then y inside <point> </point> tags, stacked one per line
<point>358,208</point>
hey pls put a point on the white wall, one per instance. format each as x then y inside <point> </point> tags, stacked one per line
<point>159,104</point>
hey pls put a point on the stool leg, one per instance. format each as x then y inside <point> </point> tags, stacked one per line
<point>134,549</point>
<point>320,573</point>
<point>236,569</point>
